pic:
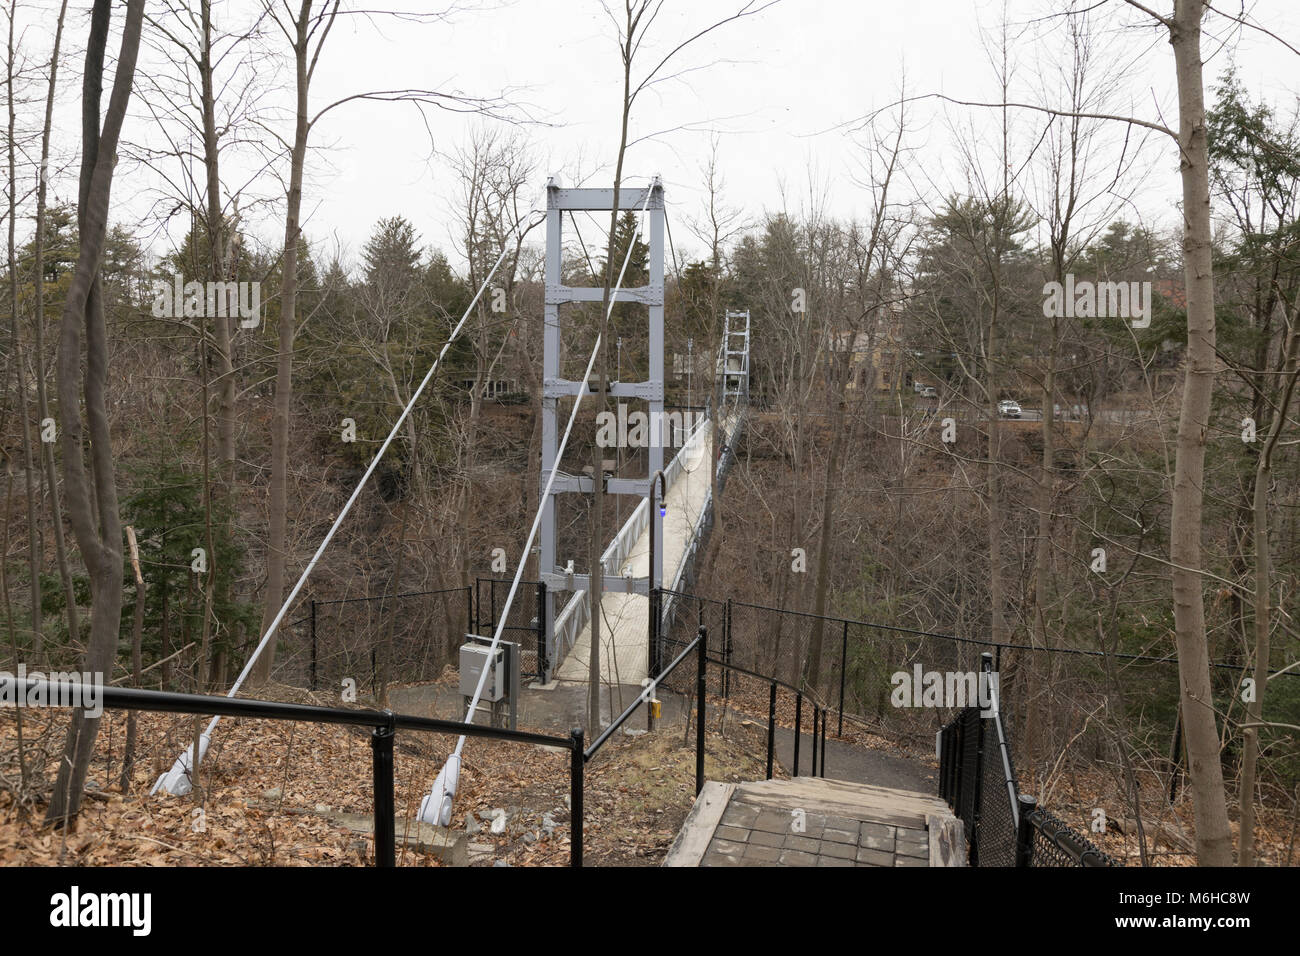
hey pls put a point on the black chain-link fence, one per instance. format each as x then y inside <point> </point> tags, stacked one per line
<point>1056,843</point>
<point>395,638</point>
<point>1002,827</point>
<point>524,623</point>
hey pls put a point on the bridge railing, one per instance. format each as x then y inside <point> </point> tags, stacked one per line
<point>570,622</point>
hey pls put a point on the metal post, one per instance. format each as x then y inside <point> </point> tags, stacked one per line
<point>771,727</point>
<point>655,625</point>
<point>543,665</point>
<point>658,482</point>
<point>381,747</point>
<point>313,644</point>
<point>816,716</point>
<point>699,710</point>
<point>986,665</point>
<point>726,651</point>
<point>798,722</point>
<point>471,623</point>
<point>844,666</point>
<point>823,761</point>
<point>1025,832</point>
<point>576,762</point>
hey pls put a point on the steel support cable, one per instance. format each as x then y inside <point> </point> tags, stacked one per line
<point>435,808</point>
<point>176,780</point>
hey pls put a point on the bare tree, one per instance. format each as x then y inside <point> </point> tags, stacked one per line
<point>100,542</point>
<point>632,27</point>
<point>29,473</point>
<point>38,273</point>
<point>307,31</point>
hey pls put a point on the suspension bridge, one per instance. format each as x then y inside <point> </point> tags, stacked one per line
<point>641,572</point>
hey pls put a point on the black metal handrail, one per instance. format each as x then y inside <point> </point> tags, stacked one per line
<point>820,710</point>
<point>997,645</point>
<point>641,698</point>
<point>699,646</point>
<point>384,723</point>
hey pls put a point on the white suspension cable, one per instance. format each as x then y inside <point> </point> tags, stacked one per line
<point>177,780</point>
<point>435,808</point>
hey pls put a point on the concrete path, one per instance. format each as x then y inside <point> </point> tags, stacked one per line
<point>845,761</point>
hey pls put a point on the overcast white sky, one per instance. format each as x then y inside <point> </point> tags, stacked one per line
<point>774,87</point>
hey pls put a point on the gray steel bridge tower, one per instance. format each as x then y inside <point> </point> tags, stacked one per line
<point>558,202</point>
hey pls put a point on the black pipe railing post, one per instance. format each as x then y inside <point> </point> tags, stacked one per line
<point>816,722</point>
<point>1025,831</point>
<point>699,709</point>
<point>381,746</point>
<point>471,623</point>
<point>771,727</point>
<point>945,762</point>
<point>658,482</point>
<point>844,667</point>
<point>798,723</point>
<point>986,665</point>
<point>726,651</point>
<point>823,762</point>
<point>576,763</point>
<point>654,625</point>
<point>313,644</point>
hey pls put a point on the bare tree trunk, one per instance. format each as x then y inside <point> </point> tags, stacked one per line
<point>1263,584</point>
<point>279,510</point>
<point>1205,770</point>
<point>29,473</point>
<point>220,264</point>
<point>38,271</point>
<point>101,544</point>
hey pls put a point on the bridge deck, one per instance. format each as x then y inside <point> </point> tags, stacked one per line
<point>811,821</point>
<point>624,638</point>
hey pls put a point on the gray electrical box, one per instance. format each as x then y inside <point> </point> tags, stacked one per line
<point>501,689</point>
<point>473,658</point>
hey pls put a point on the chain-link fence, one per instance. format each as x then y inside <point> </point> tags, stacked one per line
<point>524,621</point>
<point>394,638</point>
<point>1002,826</point>
<point>1055,843</point>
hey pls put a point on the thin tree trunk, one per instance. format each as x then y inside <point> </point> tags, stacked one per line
<point>279,509</point>
<point>29,473</point>
<point>101,542</point>
<point>42,398</point>
<point>1205,770</point>
<point>1263,584</point>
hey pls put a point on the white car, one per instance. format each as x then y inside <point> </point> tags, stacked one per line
<point>1008,409</point>
<point>929,391</point>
